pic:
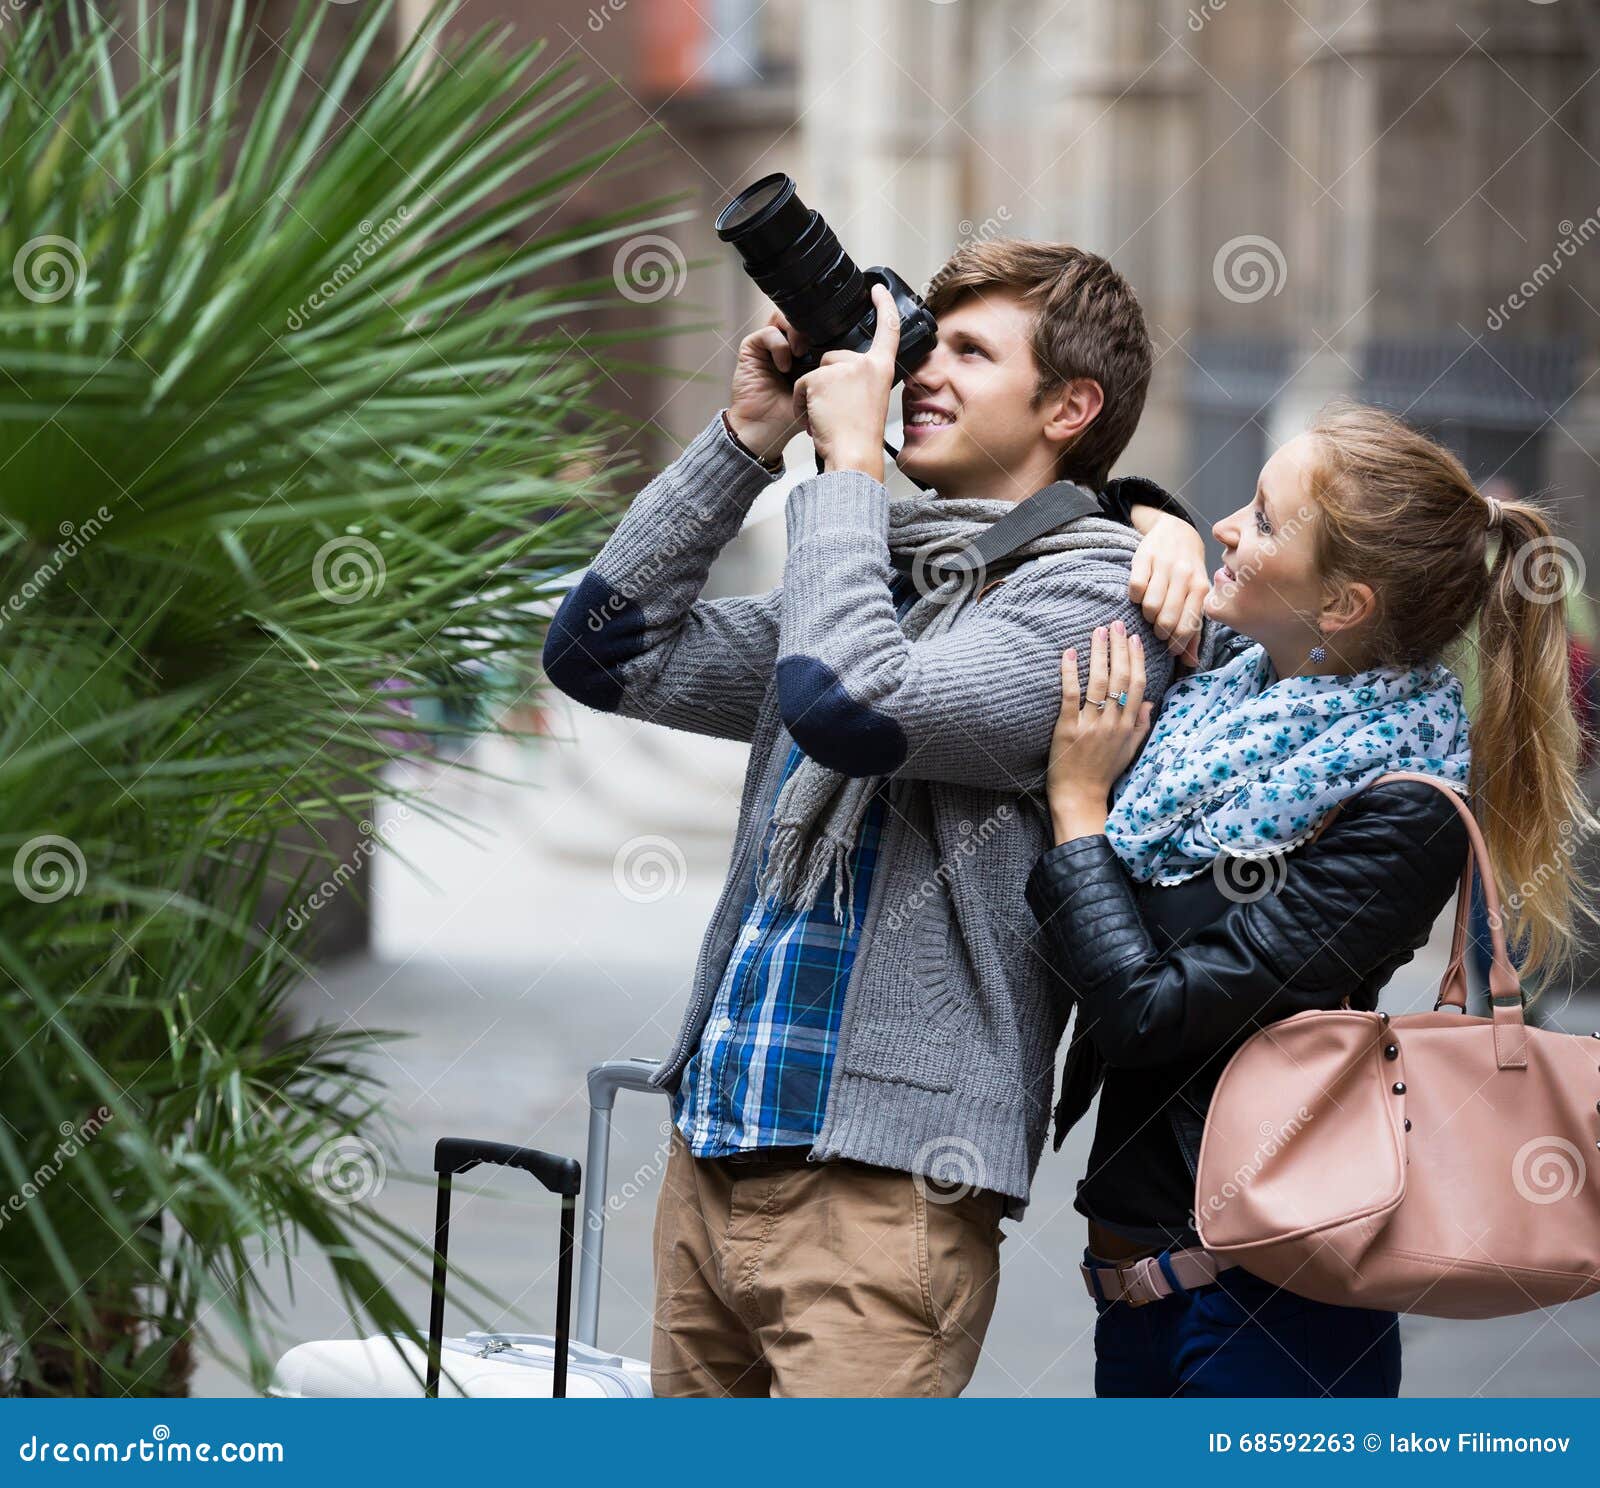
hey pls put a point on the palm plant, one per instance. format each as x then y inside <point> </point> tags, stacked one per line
<point>289,436</point>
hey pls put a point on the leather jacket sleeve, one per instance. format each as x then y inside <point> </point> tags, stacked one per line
<point>1364,894</point>
<point>1119,497</point>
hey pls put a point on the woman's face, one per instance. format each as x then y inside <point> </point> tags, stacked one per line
<point>1268,586</point>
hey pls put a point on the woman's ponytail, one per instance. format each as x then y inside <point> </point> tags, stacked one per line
<point>1525,740</point>
<point>1398,511</point>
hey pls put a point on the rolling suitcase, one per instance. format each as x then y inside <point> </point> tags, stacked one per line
<point>497,1365</point>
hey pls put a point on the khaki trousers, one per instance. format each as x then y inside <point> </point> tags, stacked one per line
<point>833,1279</point>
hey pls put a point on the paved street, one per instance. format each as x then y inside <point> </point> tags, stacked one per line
<point>506,1022</point>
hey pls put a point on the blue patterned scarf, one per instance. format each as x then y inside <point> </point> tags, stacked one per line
<point>1242,762</point>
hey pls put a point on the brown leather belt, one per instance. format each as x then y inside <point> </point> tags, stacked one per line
<point>760,1161</point>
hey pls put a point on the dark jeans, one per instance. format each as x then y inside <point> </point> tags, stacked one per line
<point>1240,1336</point>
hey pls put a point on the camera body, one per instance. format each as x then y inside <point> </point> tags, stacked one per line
<point>797,262</point>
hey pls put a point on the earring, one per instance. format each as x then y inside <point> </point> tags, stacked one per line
<point>1319,654</point>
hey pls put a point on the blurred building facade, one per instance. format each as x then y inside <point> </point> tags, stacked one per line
<point>1395,200</point>
<point>1390,199</point>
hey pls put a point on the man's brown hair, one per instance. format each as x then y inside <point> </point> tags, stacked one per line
<point>1087,323</point>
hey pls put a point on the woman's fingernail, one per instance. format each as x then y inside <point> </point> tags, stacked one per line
<point>1120,628</point>
<point>1136,643</point>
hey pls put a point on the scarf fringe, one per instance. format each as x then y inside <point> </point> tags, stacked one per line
<point>829,857</point>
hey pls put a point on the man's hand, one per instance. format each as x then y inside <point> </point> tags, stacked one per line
<point>845,402</point>
<point>1169,581</point>
<point>761,399</point>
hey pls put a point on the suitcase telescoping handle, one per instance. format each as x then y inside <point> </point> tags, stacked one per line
<point>605,1080</point>
<point>561,1175</point>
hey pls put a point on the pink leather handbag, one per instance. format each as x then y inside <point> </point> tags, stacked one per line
<point>1432,1163</point>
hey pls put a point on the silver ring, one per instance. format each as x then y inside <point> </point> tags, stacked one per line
<point>1100,703</point>
<point>1122,700</point>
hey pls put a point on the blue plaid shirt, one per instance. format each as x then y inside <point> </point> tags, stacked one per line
<point>760,1075</point>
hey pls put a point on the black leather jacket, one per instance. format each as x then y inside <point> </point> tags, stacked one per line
<point>1169,981</point>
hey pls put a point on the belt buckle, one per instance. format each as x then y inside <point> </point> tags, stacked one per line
<point>1137,1276</point>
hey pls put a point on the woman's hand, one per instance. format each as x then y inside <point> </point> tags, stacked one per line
<point>1168,581</point>
<point>1096,737</point>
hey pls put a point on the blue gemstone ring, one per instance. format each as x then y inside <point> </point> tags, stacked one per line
<point>1122,700</point>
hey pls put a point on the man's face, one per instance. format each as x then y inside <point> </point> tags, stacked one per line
<point>968,407</point>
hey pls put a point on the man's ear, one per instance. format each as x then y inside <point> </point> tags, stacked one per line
<point>1071,408</point>
<point>1347,605</point>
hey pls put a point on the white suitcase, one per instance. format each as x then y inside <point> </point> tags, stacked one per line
<point>497,1365</point>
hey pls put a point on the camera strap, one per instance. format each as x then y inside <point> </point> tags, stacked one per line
<point>1055,506</point>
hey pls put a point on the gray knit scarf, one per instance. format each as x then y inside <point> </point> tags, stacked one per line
<point>817,816</point>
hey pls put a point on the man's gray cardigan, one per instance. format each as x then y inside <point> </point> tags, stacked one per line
<point>952,1015</point>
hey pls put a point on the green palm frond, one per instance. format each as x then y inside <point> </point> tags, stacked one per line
<point>297,426</point>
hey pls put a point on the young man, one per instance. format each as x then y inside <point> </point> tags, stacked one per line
<point>864,1076</point>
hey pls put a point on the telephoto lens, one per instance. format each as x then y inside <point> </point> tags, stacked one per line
<point>797,262</point>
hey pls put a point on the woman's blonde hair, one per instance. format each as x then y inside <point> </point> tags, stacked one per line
<point>1399,512</point>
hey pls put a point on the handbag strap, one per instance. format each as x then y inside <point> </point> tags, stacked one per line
<point>1505,987</point>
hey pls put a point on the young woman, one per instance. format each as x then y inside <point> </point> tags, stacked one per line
<point>1203,903</point>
